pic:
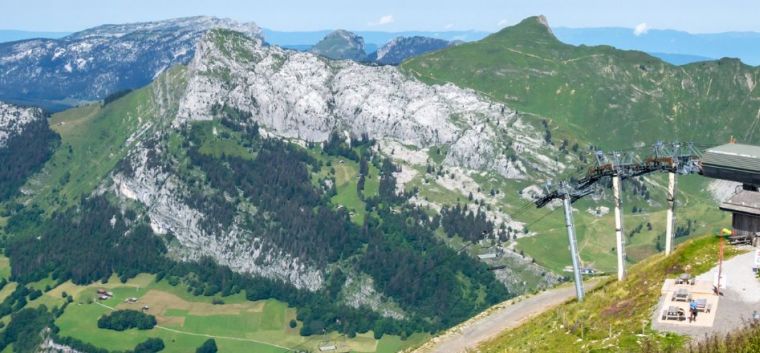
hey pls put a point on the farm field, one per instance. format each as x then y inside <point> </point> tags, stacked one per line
<point>186,321</point>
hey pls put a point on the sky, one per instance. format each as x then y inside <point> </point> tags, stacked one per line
<point>696,16</point>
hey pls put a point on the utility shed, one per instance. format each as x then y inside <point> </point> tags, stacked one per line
<point>733,161</point>
<point>745,207</point>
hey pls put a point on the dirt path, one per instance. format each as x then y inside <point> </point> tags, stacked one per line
<point>501,317</point>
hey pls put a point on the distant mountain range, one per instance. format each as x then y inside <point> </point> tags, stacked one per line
<point>742,45</point>
<point>402,48</point>
<point>371,38</point>
<point>10,35</point>
<point>680,59</point>
<point>675,47</point>
<point>345,45</point>
<point>94,63</point>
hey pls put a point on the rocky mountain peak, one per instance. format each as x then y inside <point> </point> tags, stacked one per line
<point>542,20</point>
<point>529,29</point>
<point>341,45</point>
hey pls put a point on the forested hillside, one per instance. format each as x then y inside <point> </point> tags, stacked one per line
<point>26,143</point>
<point>281,195</point>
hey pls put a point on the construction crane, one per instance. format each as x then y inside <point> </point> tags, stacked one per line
<point>673,158</point>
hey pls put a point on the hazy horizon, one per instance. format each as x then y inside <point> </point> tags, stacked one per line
<point>700,16</point>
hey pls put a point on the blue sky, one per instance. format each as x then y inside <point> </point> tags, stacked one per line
<point>697,16</point>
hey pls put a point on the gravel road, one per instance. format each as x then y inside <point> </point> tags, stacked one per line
<point>499,318</point>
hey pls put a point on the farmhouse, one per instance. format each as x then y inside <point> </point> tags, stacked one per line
<point>104,295</point>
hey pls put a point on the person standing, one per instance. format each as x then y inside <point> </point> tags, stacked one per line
<point>693,310</point>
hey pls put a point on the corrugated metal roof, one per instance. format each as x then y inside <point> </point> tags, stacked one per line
<point>744,201</point>
<point>733,156</point>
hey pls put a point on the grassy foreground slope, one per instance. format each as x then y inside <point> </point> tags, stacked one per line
<point>615,317</point>
<point>605,96</point>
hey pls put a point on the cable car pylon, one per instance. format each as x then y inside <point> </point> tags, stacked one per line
<point>674,158</point>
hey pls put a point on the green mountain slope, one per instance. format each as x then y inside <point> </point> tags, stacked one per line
<point>602,96</point>
<point>96,137</point>
<point>605,96</point>
<point>620,308</point>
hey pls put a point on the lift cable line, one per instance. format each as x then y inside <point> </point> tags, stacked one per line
<point>673,158</point>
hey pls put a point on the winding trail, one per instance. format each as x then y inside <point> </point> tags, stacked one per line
<point>501,317</point>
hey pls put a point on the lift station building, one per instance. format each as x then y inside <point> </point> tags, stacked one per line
<point>739,163</point>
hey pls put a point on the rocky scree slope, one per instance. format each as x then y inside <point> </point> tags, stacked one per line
<point>92,64</point>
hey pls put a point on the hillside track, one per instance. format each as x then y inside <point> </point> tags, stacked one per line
<point>508,315</point>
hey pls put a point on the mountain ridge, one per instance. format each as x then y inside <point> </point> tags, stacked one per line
<point>92,64</point>
<point>562,81</point>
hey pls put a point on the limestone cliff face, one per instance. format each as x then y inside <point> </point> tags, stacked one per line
<point>304,97</point>
<point>164,194</point>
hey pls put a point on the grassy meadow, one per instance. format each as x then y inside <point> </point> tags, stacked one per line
<point>185,321</point>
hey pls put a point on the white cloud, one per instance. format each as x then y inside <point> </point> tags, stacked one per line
<point>383,20</point>
<point>450,26</point>
<point>502,23</point>
<point>641,28</point>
